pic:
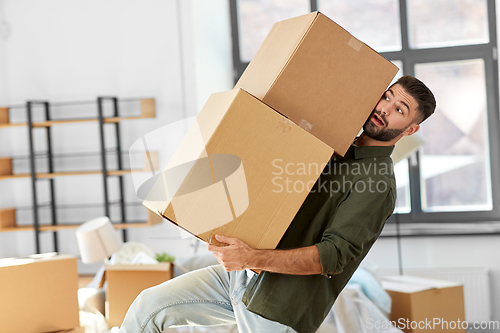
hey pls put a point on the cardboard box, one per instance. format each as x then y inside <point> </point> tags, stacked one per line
<point>228,175</point>
<point>125,283</point>
<point>38,294</point>
<point>319,76</point>
<point>434,305</point>
<point>5,166</point>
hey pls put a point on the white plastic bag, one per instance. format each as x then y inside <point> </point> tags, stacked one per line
<point>354,312</point>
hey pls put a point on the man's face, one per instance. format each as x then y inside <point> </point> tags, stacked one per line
<point>394,114</point>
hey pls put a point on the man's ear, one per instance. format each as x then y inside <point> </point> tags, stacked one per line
<point>412,129</point>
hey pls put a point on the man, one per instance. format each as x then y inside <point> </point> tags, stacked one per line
<point>337,224</point>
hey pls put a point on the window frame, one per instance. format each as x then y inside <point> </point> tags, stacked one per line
<point>410,58</point>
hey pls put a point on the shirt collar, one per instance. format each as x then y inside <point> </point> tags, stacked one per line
<point>371,151</point>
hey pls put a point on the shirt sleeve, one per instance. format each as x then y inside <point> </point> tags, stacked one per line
<point>358,219</point>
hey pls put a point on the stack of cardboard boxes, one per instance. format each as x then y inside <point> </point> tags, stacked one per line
<point>247,165</point>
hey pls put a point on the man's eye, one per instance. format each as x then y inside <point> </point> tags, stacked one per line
<point>386,98</point>
<point>400,111</point>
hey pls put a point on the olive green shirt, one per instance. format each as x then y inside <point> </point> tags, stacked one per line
<point>343,215</point>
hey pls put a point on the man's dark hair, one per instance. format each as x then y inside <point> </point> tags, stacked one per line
<point>422,95</point>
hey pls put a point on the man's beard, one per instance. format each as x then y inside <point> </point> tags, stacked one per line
<point>382,134</point>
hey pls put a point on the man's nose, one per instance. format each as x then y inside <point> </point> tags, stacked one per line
<point>386,108</point>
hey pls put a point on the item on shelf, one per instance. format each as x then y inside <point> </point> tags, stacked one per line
<point>4,115</point>
<point>7,219</point>
<point>5,166</point>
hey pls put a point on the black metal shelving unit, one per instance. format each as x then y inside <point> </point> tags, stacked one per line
<point>50,157</point>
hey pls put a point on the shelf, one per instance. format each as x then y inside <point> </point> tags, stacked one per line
<point>153,156</point>
<point>47,227</point>
<point>78,206</point>
<point>9,223</point>
<point>148,110</point>
<point>71,173</point>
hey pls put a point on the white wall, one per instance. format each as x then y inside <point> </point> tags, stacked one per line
<point>213,47</point>
<point>60,51</point>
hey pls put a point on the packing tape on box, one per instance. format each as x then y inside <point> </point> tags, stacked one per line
<point>355,44</point>
<point>285,124</point>
<point>305,125</point>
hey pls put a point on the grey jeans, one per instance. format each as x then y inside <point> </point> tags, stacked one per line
<point>206,297</point>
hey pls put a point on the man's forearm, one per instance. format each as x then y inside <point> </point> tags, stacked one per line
<point>237,256</point>
<point>302,261</point>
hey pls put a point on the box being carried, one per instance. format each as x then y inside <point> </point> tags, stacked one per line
<point>38,294</point>
<point>319,76</point>
<point>228,175</point>
<point>426,305</point>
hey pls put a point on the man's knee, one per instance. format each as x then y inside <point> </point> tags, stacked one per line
<point>145,300</point>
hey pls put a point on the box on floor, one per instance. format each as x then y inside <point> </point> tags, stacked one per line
<point>125,283</point>
<point>426,305</point>
<point>39,294</point>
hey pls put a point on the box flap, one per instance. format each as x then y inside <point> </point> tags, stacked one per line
<point>36,258</point>
<point>412,284</point>
<point>281,42</point>
<point>142,267</point>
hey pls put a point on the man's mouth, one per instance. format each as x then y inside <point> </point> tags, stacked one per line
<point>378,120</point>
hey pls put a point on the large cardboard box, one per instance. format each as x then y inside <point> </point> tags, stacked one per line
<point>125,283</point>
<point>319,76</point>
<point>426,305</point>
<point>243,170</point>
<point>38,294</point>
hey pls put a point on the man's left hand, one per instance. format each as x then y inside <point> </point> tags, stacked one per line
<point>236,256</point>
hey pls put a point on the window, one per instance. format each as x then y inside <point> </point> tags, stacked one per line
<point>256,18</point>
<point>451,46</point>
<point>455,167</point>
